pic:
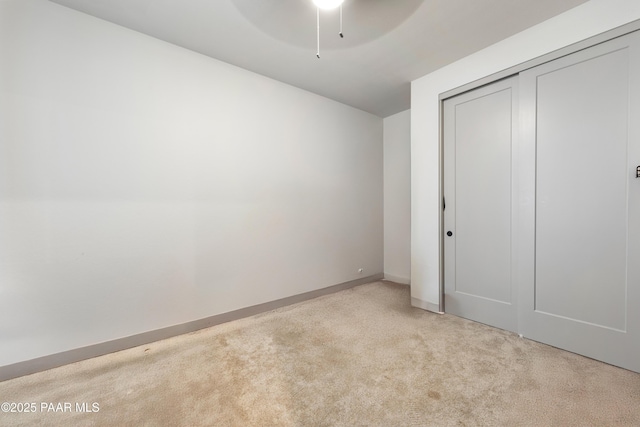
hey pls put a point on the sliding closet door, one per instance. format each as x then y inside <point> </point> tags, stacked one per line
<point>479,127</point>
<point>580,240</point>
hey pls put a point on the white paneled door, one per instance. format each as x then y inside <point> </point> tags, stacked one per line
<point>542,224</point>
<point>581,240</point>
<point>479,131</point>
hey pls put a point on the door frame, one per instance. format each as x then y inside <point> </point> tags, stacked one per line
<point>509,72</point>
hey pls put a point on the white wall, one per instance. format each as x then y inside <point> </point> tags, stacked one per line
<point>589,19</point>
<point>397,197</point>
<point>143,185</point>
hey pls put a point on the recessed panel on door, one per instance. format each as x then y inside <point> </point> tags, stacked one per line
<point>581,214</point>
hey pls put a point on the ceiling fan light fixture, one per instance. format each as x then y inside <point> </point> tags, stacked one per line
<point>327,4</point>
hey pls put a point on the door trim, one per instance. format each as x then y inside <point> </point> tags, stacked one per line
<point>551,56</point>
<point>492,78</point>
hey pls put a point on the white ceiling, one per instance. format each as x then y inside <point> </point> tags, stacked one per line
<point>386,45</point>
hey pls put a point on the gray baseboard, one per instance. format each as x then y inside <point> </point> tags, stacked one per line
<point>425,305</point>
<point>64,358</point>
<point>397,279</point>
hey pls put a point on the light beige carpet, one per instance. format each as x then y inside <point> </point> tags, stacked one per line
<point>358,357</point>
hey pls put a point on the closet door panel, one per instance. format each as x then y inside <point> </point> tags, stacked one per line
<point>579,284</point>
<point>581,218</point>
<point>479,130</point>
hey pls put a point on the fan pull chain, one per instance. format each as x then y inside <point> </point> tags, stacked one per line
<point>318,32</point>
